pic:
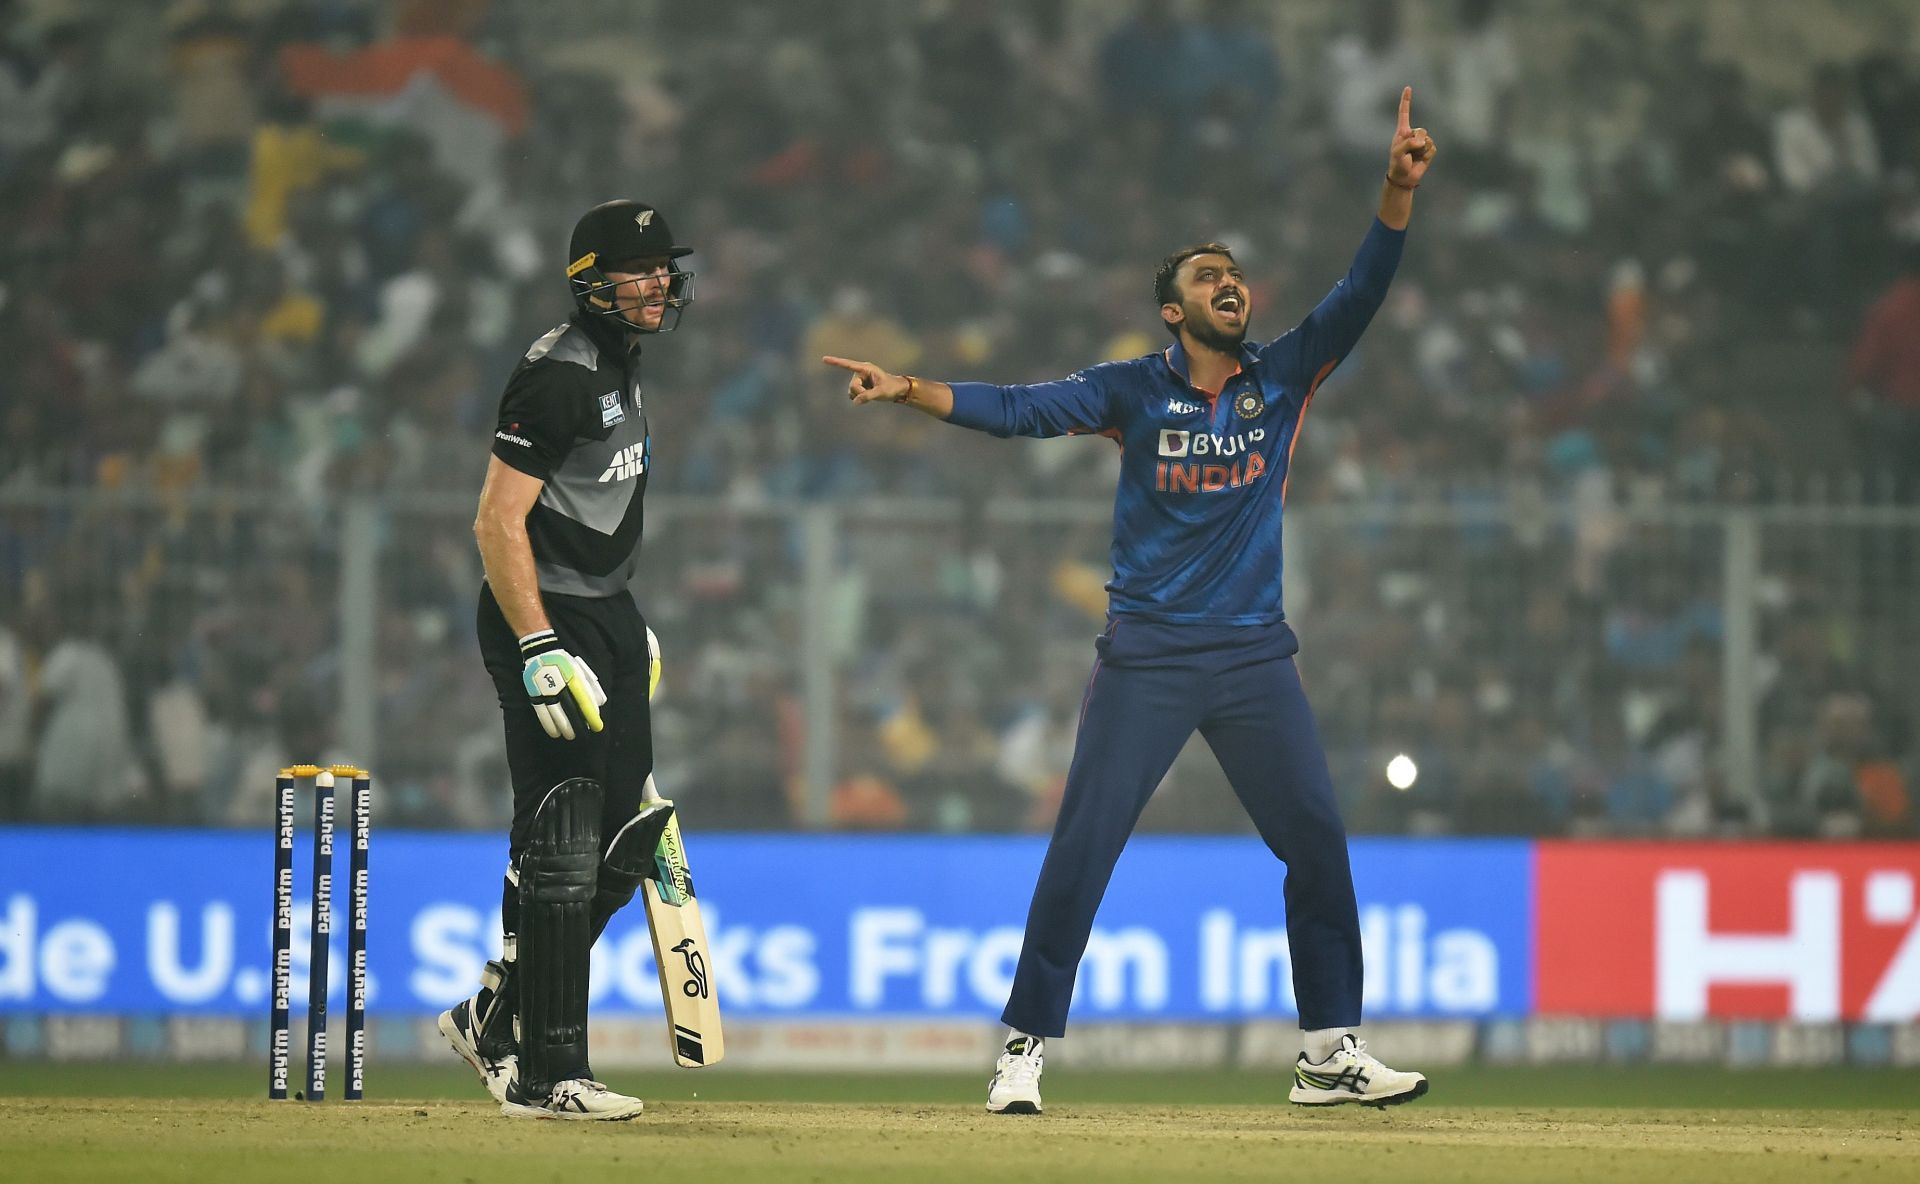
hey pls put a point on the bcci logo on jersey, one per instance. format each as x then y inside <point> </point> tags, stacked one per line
<point>628,463</point>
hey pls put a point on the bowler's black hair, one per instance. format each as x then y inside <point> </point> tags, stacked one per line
<point>1165,291</point>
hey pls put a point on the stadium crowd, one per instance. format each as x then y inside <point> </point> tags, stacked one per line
<point>287,249</point>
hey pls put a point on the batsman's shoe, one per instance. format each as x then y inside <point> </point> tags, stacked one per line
<point>458,1027</point>
<point>1015,1088</point>
<point>578,1098</point>
<point>1352,1074</point>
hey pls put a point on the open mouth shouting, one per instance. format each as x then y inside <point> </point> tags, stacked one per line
<point>1231,306</point>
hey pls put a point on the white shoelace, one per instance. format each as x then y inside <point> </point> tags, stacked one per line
<point>1019,1070</point>
<point>1359,1057</point>
<point>580,1085</point>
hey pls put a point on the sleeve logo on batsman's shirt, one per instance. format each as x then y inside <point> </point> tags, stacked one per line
<point>510,438</point>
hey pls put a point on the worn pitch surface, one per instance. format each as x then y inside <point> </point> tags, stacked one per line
<point>199,1124</point>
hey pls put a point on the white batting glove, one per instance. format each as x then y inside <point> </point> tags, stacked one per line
<point>563,687</point>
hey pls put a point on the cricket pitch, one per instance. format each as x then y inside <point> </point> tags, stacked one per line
<point>197,1136</point>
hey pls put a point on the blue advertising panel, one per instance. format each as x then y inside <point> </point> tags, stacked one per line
<point>899,927</point>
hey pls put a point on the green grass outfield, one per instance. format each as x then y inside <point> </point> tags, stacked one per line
<point>207,1123</point>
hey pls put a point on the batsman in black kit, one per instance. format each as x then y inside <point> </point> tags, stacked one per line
<point>571,657</point>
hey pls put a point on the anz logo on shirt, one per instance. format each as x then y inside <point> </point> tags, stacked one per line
<point>629,462</point>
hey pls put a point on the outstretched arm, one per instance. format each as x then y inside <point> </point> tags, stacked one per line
<point>1317,344</point>
<point>1070,405</point>
<point>871,384</point>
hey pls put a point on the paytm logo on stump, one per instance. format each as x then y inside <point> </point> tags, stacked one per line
<point>161,954</point>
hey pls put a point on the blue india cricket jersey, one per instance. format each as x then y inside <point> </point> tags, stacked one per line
<point>1203,475</point>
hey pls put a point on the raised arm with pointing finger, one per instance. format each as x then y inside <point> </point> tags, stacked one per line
<point>1073,405</point>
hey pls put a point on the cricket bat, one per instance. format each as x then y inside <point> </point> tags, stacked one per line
<point>680,950</point>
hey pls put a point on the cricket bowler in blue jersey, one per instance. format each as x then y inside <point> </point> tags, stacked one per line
<point>1196,638</point>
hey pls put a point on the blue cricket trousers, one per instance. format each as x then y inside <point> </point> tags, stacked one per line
<point>1151,687</point>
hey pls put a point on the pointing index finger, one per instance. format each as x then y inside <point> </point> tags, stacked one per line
<point>1406,110</point>
<point>844,363</point>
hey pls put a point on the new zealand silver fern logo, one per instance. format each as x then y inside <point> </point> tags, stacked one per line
<point>696,985</point>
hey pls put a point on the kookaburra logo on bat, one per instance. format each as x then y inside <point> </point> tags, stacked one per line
<point>696,985</point>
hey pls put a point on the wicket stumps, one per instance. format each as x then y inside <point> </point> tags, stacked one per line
<point>280,1053</point>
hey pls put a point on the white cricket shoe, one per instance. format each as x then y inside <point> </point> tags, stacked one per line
<point>495,1072</point>
<point>1015,1088</point>
<point>576,1098</point>
<point>1351,1074</point>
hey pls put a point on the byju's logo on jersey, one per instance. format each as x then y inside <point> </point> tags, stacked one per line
<point>1174,442</point>
<point>629,462</point>
<point>1188,472</point>
<point>610,410</point>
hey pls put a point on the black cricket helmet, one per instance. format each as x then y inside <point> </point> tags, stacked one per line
<point>608,238</point>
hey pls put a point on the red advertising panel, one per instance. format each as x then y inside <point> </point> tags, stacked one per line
<point>1678,931</point>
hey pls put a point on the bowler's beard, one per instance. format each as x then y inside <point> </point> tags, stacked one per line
<point>1219,340</point>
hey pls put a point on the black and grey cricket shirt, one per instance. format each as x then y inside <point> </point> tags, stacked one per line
<point>572,416</point>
